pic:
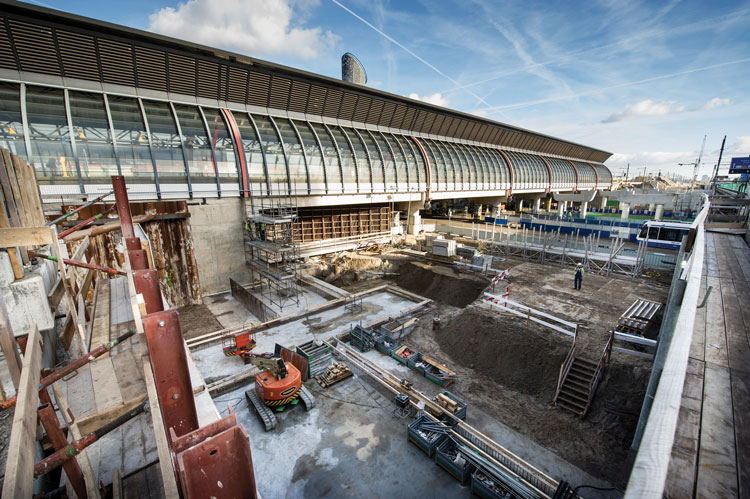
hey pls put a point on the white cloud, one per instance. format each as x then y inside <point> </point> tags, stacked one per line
<point>653,161</point>
<point>645,108</point>
<point>247,26</point>
<point>742,146</point>
<point>715,102</point>
<point>435,98</point>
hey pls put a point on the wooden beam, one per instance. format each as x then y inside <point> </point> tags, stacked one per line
<point>166,466</point>
<point>102,229</point>
<point>14,237</point>
<point>89,424</point>
<point>17,200</point>
<point>15,261</point>
<point>9,346</point>
<point>19,468</point>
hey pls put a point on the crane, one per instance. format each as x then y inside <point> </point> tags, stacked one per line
<point>697,164</point>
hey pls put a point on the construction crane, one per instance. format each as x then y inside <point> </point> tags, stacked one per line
<point>697,164</point>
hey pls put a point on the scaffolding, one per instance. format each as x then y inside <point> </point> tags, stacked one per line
<point>271,248</point>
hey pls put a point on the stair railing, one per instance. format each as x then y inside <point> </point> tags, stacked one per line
<point>566,365</point>
<point>599,374</point>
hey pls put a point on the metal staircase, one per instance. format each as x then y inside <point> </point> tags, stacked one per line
<point>575,392</point>
<point>579,379</point>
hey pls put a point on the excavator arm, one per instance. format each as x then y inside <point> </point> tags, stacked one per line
<point>268,362</point>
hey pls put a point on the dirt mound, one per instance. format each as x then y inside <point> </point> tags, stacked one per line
<point>440,283</point>
<point>522,359</point>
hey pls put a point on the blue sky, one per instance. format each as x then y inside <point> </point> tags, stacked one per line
<point>643,80</point>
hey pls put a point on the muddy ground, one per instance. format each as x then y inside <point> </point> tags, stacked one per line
<point>197,320</point>
<point>510,369</point>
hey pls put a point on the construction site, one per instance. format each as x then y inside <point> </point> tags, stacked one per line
<point>366,309</point>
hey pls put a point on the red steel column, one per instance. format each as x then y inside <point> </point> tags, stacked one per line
<point>510,167</point>
<point>429,168</point>
<point>578,176</point>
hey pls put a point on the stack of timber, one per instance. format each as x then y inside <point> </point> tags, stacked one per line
<point>333,374</point>
<point>638,317</point>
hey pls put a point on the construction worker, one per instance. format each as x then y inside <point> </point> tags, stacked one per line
<point>579,276</point>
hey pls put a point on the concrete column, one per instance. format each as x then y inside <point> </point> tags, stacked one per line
<point>520,205</point>
<point>659,212</point>
<point>625,207</point>
<point>561,207</point>
<point>604,203</point>
<point>651,207</point>
<point>537,205</point>
<point>549,203</point>
<point>584,208</point>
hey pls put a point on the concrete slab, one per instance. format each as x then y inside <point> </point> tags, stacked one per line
<point>349,445</point>
<point>213,364</point>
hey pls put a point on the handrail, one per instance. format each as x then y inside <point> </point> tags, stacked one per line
<point>649,473</point>
<point>565,367</point>
<point>600,367</point>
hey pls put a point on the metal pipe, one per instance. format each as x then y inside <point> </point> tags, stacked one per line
<point>61,456</point>
<point>75,263</point>
<point>74,366</point>
<point>84,223</point>
<point>85,205</point>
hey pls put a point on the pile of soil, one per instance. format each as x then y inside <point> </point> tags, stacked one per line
<point>440,283</point>
<point>197,320</point>
<point>525,360</point>
<point>347,267</point>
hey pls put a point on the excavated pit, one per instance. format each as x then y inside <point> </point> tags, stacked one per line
<point>440,283</point>
<point>523,359</point>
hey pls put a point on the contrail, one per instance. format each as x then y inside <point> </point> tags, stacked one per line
<point>686,28</point>
<point>612,87</point>
<point>459,85</point>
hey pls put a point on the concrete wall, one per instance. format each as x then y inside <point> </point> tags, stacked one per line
<point>218,242</point>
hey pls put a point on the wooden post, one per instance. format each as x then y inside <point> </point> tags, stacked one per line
<point>8,344</point>
<point>15,262</point>
<point>19,468</point>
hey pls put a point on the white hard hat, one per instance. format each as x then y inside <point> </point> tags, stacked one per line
<point>580,265</point>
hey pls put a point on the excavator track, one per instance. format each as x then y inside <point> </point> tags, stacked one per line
<point>307,398</point>
<point>267,417</point>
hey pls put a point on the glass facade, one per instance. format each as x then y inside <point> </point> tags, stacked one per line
<point>223,150</point>
<point>294,155</point>
<point>11,124</point>
<point>165,142</point>
<point>331,155</point>
<point>197,150</point>
<point>79,139</point>
<point>93,138</point>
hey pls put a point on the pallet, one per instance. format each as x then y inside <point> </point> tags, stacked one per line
<point>333,374</point>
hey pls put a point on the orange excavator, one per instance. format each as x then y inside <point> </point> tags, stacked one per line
<point>277,386</point>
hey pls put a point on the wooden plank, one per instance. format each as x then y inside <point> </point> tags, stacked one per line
<point>13,237</point>
<point>9,346</point>
<point>34,186</point>
<point>80,389</point>
<point>713,266</point>
<point>15,261</point>
<point>716,340</point>
<point>56,294</point>
<point>106,390</point>
<point>724,246</point>
<point>100,328</point>
<point>18,201</point>
<point>742,254</point>
<point>160,433</point>
<point>19,467</point>
<point>129,373</point>
<point>717,462</point>
<point>93,422</point>
<point>28,204</point>
<point>683,463</point>
<point>738,349</point>
<point>116,484</point>
<point>741,405</point>
<point>8,194</point>
<point>698,343</point>
<point>75,434</point>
